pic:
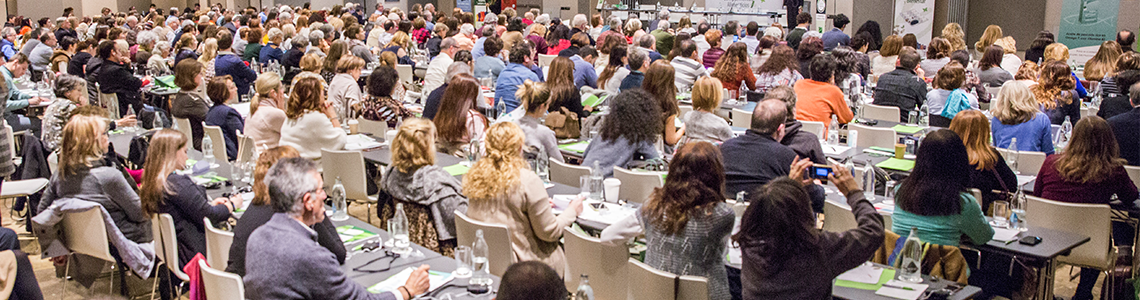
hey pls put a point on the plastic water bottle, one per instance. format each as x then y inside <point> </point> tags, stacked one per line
<point>912,116</point>
<point>868,180</point>
<point>1017,212</point>
<point>542,167</point>
<point>131,112</point>
<point>585,292</point>
<point>340,205</point>
<point>596,178</point>
<point>910,270</point>
<point>398,228</point>
<point>480,281</point>
<point>501,108</point>
<point>473,151</point>
<point>833,132</point>
<point>1011,159</point>
<point>1063,135</point>
<point>924,116</point>
<point>208,150</point>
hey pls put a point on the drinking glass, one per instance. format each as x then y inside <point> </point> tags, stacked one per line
<point>585,184</point>
<point>463,262</point>
<point>1001,214</point>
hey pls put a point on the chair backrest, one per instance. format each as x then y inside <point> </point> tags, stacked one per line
<point>604,264</point>
<point>685,109</point>
<point>497,236</point>
<point>544,60</point>
<point>217,245</point>
<point>170,245</point>
<point>376,128</point>
<point>84,233</point>
<point>977,197</point>
<point>245,148</point>
<point>1092,220</point>
<point>814,127</point>
<point>692,287</point>
<point>652,284</point>
<point>349,166</point>
<point>221,285</point>
<point>1029,162</point>
<point>873,136</point>
<point>1085,112</point>
<point>217,141</point>
<point>1134,173</point>
<point>879,112</point>
<point>183,125</point>
<point>11,140</point>
<point>567,174</point>
<point>111,102</point>
<point>637,186</point>
<point>837,218</point>
<point>741,118</point>
<point>405,72</point>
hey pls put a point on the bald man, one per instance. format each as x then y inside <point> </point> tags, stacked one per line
<point>767,158</point>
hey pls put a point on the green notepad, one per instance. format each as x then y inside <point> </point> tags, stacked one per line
<point>165,81</point>
<point>897,164</point>
<point>576,147</point>
<point>456,169</point>
<point>351,233</point>
<point>592,101</point>
<point>888,274</point>
<point>906,129</point>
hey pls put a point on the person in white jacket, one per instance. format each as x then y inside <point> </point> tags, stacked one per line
<point>312,122</point>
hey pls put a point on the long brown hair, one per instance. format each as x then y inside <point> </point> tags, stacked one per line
<point>78,147</point>
<point>659,82</point>
<point>974,129</point>
<point>560,81</point>
<point>1092,155</point>
<point>696,184</point>
<point>891,46</point>
<point>615,63</point>
<point>458,99</point>
<point>1053,84</point>
<point>265,161</point>
<point>1104,62</point>
<point>727,68</point>
<point>991,58</point>
<point>782,58</point>
<point>938,48</point>
<point>307,95</point>
<point>160,162</point>
<point>337,50</point>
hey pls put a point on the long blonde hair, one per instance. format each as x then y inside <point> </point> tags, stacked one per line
<point>161,160</point>
<point>78,148</point>
<point>992,34</point>
<point>1055,51</point>
<point>1104,62</point>
<point>1015,103</point>
<point>952,32</point>
<point>498,172</point>
<point>414,145</point>
<point>209,51</point>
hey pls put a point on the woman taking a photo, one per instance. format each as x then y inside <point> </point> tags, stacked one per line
<point>1015,115</point>
<point>312,124</point>
<point>988,170</point>
<point>502,190</point>
<point>780,69</point>
<point>457,119</point>
<point>563,92</point>
<point>659,82</point>
<point>630,130</point>
<point>265,113</point>
<point>166,192</point>
<point>222,91</point>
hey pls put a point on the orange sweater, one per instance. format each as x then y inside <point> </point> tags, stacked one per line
<point>817,101</point>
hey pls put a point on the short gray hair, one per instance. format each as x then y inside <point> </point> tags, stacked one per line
<point>646,41</point>
<point>663,24</point>
<point>285,15</point>
<point>615,22</point>
<point>466,28</point>
<point>315,35</point>
<point>457,68</point>
<point>543,19</point>
<point>288,182</point>
<point>663,14</point>
<point>491,19</point>
<point>579,20</point>
<point>636,57</point>
<point>275,33</point>
<point>67,83</point>
<point>300,42</point>
<point>447,43</point>
<point>146,37</point>
<point>161,47</point>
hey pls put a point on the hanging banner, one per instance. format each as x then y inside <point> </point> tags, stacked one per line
<point>749,6</point>
<point>1085,24</point>
<point>914,16</point>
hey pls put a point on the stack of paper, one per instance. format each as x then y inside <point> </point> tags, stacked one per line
<point>835,150</point>
<point>865,273</point>
<point>1005,235</point>
<point>612,213</point>
<point>360,142</point>
<point>350,233</point>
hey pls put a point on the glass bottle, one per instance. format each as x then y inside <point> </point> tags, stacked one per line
<point>585,292</point>
<point>480,281</point>
<point>340,204</point>
<point>596,178</point>
<point>398,228</point>
<point>868,180</point>
<point>833,132</point>
<point>473,151</point>
<point>924,116</point>
<point>910,269</point>
<point>208,150</point>
<point>1017,212</point>
<point>1011,159</point>
<point>1063,135</point>
<point>912,116</point>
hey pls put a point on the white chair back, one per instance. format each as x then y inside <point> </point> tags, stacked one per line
<point>977,197</point>
<point>11,140</point>
<point>544,60</point>
<point>217,245</point>
<point>349,167</point>
<point>377,129</point>
<point>1085,112</point>
<point>637,186</point>
<point>110,101</point>
<point>692,287</point>
<point>405,72</point>
<point>651,284</point>
<point>604,264</point>
<point>1092,220</point>
<point>221,285</point>
<point>685,109</point>
<point>498,238</point>
<point>1134,173</point>
<point>183,125</point>
<point>880,112</point>
<point>245,148</point>
<point>169,245</point>
<point>814,127</point>
<point>741,118</point>
<point>1028,162</point>
<point>84,233</point>
<point>567,174</point>
<point>217,141</point>
<point>874,136</point>
<point>838,218</point>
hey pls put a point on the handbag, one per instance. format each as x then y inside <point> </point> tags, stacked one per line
<point>564,123</point>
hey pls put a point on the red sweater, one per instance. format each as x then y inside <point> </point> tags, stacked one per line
<point>1051,186</point>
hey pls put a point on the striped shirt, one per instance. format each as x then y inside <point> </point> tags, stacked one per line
<point>688,71</point>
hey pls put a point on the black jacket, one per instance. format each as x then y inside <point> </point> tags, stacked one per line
<point>119,79</point>
<point>900,88</point>
<point>78,61</point>
<point>188,208</point>
<point>987,180</point>
<point>805,144</point>
<point>257,215</point>
<point>771,160</point>
<point>431,105</point>
<point>1072,110</point>
<point>1126,127</point>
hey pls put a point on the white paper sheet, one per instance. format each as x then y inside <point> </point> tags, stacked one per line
<point>834,150</point>
<point>435,279</point>
<point>1025,179</point>
<point>610,215</point>
<point>916,291</point>
<point>1005,235</point>
<point>865,273</point>
<point>360,142</point>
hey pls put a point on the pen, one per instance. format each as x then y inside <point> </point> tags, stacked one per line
<point>898,287</point>
<point>1010,242</point>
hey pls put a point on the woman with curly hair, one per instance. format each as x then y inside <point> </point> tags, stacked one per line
<point>629,130</point>
<point>781,69</point>
<point>1055,93</point>
<point>713,54</point>
<point>952,32</point>
<point>1060,52</point>
<point>501,189</point>
<point>732,68</point>
<point>379,104</point>
<point>659,82</point>
<point>809,48</point>
<point>872,29</point>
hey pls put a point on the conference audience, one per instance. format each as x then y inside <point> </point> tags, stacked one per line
<point>809,48</point>
<point>732,69</point>
<point>344,92</point>
<point>804,143</point>
<point>937,55</point>
<point>1103,63</point>
<point>716,48</point>
<point>431,106</point>
<point>531,280</point>
<point>563,93</point>
<point>1016,115</point>
<point>763,136</point>
<point>1055,93</point>
<point>379,105</point>
<point>70,94</point>
<point>311,123</point>
<point>514,74</point>
<point>948,98</point>
<point>614,71</point>
<point>535,97</point>
<point>659,82</point>
<point>638,61</point>
<point>818,98</point>
<point>990,69</point>
<point>888,57</point>
<point>222,91</point>
<point>228,63</point>
<point>458,121</point>
<point>780,69</point>
<point>630,130</point>
<point>188,103</point>
<point>490,65</point>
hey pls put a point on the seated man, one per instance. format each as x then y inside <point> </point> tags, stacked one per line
<point>287,245</point>
<point>771,159</point>
<point>817,97</point>
<point>804,143</point>
<point>1126,126</point>
<point>16,99</point>
<point>903,87</point>
<point>531,280</point>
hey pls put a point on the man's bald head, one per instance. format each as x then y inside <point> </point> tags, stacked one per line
<point>768,116</point>
<point>1125,38</point>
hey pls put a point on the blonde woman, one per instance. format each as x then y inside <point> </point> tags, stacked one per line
<point>1104,62</point>
<point>83,174</point>
<point>535,98</point>
<point>311,65</point>
<point>888,56</point>
<point>991,35</point>
<point>266,113</point>
<point>1016,115</point>
<point>1009,60</point>
<point>430,195</point>
<point>952,32</point>
<point>702,124</point>
<point>312,124</point>
<point>503,190</point>
<point>166,192</point>
<point>208,58</point>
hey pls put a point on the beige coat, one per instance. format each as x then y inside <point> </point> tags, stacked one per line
<point>526,212</point>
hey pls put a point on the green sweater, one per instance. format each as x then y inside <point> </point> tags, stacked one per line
<point>946,230</point>
<point>252,51</point>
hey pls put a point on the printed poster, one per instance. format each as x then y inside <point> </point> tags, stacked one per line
<point>1085,24</point>
<point>915,16</point>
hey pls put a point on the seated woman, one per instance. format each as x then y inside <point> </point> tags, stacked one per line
<point>344,92</point>
<point>457,120</point>
<point>188,103</point>
<point>1016,115</point>
<point>430,195</point>
<point>732,68</point>
<point>945,101</point>
<point>491,64</point>
<point>311,65</point>
<point>166,192</point>
<point>260,210</point>
<point>1055,93</point>
<point>702,124</point>
<point>785,257</point>
<point>379,105</point>
<point>535,98</point>
<point>780,69</point>
<point>989,68</point>
<point>610,77</point>
<point>266,114</point>
<point>989,172</point>
<point>399,45</point>
<point>563,92</point>
<point>934,198</point>
<point>659,83</point>
<point>222,91</point>
<point>83,174</point>
<point>503,190</point>
<point>628,131</point>
<point>312,124</point>
<point>1089,171</point>
<point>71,93</point>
